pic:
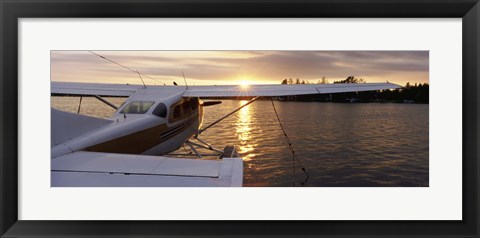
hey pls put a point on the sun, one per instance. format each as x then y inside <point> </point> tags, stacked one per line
<point>244,83</point>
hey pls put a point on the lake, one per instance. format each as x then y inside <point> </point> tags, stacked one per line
<point>339,144</point>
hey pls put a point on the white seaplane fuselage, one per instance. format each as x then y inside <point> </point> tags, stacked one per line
<point>149,122</point>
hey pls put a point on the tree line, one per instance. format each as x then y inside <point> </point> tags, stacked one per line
<point>410,93</point>
<point>297,81</point>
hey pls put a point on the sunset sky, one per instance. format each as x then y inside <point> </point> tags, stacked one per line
<point>234,67</point>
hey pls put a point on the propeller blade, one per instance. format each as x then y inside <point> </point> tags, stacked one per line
<point>211,103</point>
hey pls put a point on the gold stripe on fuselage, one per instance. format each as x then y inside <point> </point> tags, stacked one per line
<point>141,141</point>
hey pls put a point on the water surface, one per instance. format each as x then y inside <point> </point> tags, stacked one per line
<point>340,145</point>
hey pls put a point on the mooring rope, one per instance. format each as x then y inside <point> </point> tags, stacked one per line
<point>294,156</point>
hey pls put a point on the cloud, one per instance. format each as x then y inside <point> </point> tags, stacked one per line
<point>266,66</point>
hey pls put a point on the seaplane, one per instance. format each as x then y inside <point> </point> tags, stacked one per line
<point>130,149</point>
<point>133,148</point>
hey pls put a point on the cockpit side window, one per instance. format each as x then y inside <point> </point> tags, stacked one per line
<point>194,103</point>
<point>160,110</point>
<point>137,107</point>
<point>177,113</point>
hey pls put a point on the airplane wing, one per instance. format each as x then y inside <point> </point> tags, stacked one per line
<point>95,169</point>
<point>93,89</point>
<point>282,89</point>
<point>118,90</point>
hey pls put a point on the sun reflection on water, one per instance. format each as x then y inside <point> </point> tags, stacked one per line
<point>244,132</point>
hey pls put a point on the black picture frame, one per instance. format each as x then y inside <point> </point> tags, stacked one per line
<point>11,11</point>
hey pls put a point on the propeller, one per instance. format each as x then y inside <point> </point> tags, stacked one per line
<point>211,103</point>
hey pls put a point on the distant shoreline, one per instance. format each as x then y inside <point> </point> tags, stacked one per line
<point>320,101</point>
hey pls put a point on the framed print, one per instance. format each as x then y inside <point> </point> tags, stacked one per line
<point>337,118</point>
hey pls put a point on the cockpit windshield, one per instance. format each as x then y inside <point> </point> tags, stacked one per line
<point>137,107</point>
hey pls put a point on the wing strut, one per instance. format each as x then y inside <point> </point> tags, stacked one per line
<point>106,102</point>
<point>79,105</point>
<point>229,114</point>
